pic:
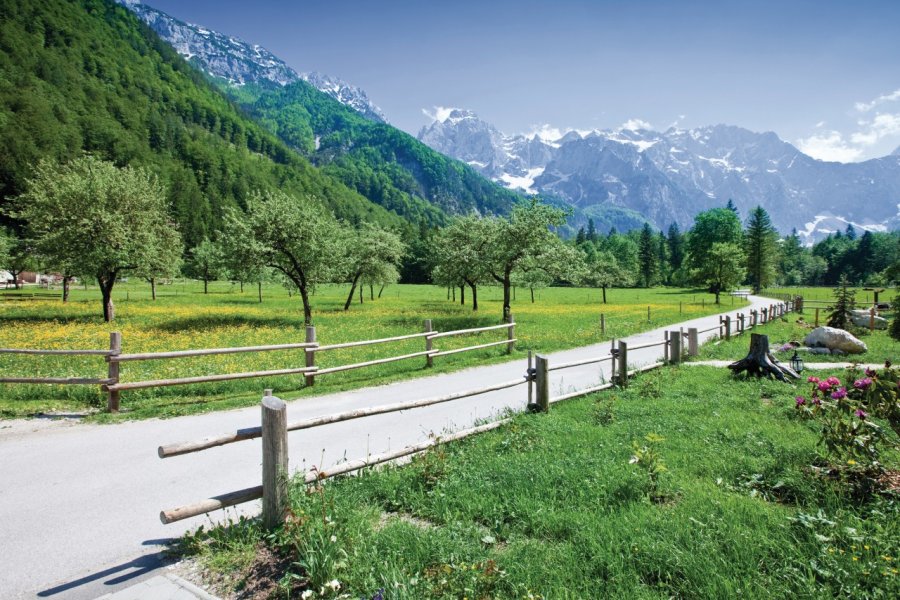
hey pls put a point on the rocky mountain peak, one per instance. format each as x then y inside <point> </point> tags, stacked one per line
<point>239,62</point>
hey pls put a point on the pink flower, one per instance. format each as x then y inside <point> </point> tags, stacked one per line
<point>870,373</point>
<point>862,384</point>
<point>861,413</point>
<point>800,401</point>
<point>833,380</point>
<point>839,393</point>
<point>817,401</point>
<point>824,386</point>
<point>812,379</point>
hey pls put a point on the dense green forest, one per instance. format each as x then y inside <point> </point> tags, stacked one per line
<point>88,76</point>
<point>379,161</point>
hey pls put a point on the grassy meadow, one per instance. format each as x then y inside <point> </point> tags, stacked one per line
<point>726,500</point>
<point>183,317</point>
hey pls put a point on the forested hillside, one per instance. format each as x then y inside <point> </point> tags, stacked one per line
<point>379,161</point>
<point>89,76</point>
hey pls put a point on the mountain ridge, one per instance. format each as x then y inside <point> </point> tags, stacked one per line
<point>671,175</point>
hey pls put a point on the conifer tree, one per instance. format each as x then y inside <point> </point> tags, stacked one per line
<point>761,248</point>
<point>647,255</point>
<point>844,301</point>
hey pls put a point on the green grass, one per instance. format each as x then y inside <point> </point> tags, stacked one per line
<point>550,506</point>
<point>794,327</point>
<point>183,318</point>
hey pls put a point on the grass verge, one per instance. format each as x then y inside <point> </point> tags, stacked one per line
<point>688,484</point>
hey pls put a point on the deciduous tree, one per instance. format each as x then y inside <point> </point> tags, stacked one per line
<point>89,216</point>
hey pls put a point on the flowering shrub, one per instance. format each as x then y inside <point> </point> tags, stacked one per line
<point>846,413</point>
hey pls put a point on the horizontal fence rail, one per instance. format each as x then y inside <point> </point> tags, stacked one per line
<point>115,358</point>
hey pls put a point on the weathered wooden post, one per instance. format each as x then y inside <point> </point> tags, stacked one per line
<point>872,319</point>
<point>693,342</point>
<point>817,316</point>
<point>648,314</point>
<point>602,324</point>
<point>429,344</point>
<point>623,364</point>
<point>666,346</point>
<point>612,364</point>
<point>721,327</point>
<point>310,353</point>
<point>510,334</point>
<point>542,377</point>
<point>727,327</point>
<point>798,304</point>
<point>741,318</point>
<point>112,370</point>
<point>765,314</point>
<point>528,373</point>
<point>675,353</point>
<point>274,461</point>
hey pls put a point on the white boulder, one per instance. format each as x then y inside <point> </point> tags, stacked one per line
<point>834,339</point>
<point>861,318</point>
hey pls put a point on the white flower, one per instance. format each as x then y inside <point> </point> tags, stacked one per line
<point>334,584</point>
<point>306,595</point>
<point>333,538</point>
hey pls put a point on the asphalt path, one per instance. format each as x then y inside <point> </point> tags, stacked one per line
<point>79,503</point>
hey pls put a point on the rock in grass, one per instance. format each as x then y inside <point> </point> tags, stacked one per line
<point>833,338</point>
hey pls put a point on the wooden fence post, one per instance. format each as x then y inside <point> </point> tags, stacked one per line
<point>648,314</point>
<point>727,327</point>
<point>429,344</point>
<point>612,364</point>
<point>693,342</point>
<point>623,364</point>
<point>543,383</point>
<point>274,461</point>
<point>666,346</point>
<point>602,324</point>
<point>530,378</point>
<point>872,319</point>
<point>112,373</point>
<point>817,316</point>
<point>675,352</point>
<point>310,353</point>
<point>741,318</point>
<point>510,334</point>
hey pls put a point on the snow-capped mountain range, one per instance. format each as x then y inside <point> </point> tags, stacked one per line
<point>239,62</point>
<point>672,175</point>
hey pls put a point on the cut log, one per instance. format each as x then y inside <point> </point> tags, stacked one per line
<point>760,362</point>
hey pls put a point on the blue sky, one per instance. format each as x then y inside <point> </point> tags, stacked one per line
<point>824,76</point>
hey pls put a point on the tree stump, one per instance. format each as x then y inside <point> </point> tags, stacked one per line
<point>760,362</point>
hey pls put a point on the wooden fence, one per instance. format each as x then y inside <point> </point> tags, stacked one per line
<point>273,428</point>
<point>113,385</point>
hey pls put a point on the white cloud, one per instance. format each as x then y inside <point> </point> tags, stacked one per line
<point>820,124</point>
<point>867,106</point>
<point>440,113</point>
<point>546,133</point>
<point>830,146</point>
<point>635,124</point>
<point>882,126</point>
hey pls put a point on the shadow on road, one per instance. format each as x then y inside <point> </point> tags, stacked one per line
<point>118,574</point>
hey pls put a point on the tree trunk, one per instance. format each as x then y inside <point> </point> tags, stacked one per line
<point>453,290</point>
<point>360,294</point>
<point>372,292</point>
<point>259,289</point>
<point>381,290</point>
<point>307,309</point>
<point>242,286</point>
<point>717,296</point>
<point>153,288</point>
<point>507,309</point>
<point>474,288</point>
<point>106,283</point>
<point>352,290</point>
<point>760,362</point>
<point>514,293</point>
<point>604,293</point>
<point>65,282</point>
<point>462,295</point>
<point>205,284</point>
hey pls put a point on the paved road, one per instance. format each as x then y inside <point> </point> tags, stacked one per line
<point>79,503</point>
